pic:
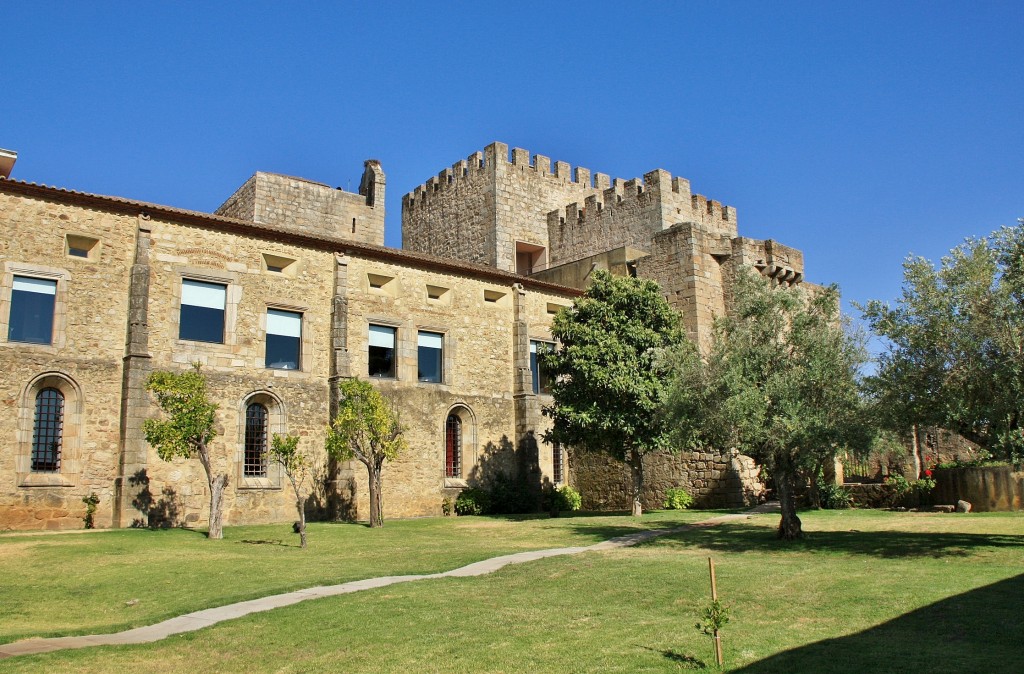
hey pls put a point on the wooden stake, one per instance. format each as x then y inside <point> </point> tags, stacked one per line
<point>714,597</point>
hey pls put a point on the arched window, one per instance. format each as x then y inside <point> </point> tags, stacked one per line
<point>255,462</point>
<point>453,446</point>
<point>47,431</point>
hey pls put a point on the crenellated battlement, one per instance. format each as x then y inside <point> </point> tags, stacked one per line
<point>498,157</point>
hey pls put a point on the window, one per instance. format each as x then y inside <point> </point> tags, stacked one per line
<point>541,381</point>
<point>47,431</point>
<point>81,246</point>
<point>453,446</point>
<point>284,339</point>
<point>255,461</point>
<point>557,464</point>
<point>382,351</point>
<point>32,304</point>
<point>430,350</point>
<point>202,311</point>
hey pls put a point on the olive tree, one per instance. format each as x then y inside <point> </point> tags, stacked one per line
<point>284,450</point>
<point>780,384</point>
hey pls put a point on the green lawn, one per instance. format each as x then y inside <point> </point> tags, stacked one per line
<point>67,584</point>
<point>867,592</point>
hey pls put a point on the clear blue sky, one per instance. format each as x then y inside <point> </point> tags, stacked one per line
<point>858,133</point>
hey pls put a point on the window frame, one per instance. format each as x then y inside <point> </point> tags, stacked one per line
<point>540,381</point>
<point>393,370</point>
<point>58,336</point>
<point>299,360</point>
<point>196,282</point>
<point>276,423</point>
<point>440,337</point>
<point>70,464</point>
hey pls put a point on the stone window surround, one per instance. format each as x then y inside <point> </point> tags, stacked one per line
<point>469,448</point>
<point>232,297</point>
<point>306,352</point>
<point>60,304</point>
<point>276,423</point>
<point>71,441</point>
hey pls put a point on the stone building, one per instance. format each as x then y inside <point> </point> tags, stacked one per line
<point>288,287</point>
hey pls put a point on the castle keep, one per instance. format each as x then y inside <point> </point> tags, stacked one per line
<point>288,287</point>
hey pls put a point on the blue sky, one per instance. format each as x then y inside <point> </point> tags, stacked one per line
<point>857,132</point>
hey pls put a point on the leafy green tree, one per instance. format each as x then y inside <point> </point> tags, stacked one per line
<point>956,344</point>
<point>284,450</point>
<point>780,384</point>
<point>608,386</point>
<point>367,428</point>
<point>187,430</point>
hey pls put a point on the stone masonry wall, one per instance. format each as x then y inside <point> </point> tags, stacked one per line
<point>715,480</point>
<point>313,208</point>
<point>84,360</point>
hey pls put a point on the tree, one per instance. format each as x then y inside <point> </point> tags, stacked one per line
<point>956,343</point>
<point>608,386</point>
<point>367,428</point>
<point>780,384</point>
<point>187,431</point>
<point>296,465</point>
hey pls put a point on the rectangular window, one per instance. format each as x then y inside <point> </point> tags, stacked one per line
<point>382,351</point>
<point>557,464</point>
<point>284,339</point>
<point>32,305</point>
<point>202,311</point>
<point>541,381</point>
<point>430,352</point>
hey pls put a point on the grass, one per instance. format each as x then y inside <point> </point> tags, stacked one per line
<point>58,585</point>
<point>867,592</point>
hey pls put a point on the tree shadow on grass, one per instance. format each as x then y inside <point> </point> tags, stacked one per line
<point>742,537</point>
<point>683,660</point>
<point>977,631</point>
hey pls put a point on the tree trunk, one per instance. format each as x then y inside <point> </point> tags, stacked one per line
<point>217,485</point>
<point>301,509</point>
<point>789,525</point>
<point>636,468</point>
<point>916,445</point>
<point>373,472</point>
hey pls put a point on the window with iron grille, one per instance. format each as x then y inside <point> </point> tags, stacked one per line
<point>47,431</point>
<point>255,464</point>
<point>557,464</point>
<point>453,446</point>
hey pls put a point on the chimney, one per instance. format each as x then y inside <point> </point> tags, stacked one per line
<point>7,159</point>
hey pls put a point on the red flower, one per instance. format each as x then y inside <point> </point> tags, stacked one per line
<point>927,472</point>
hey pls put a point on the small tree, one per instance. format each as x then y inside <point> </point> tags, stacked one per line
<point>187,431</point>
<point>780,384</point>
<point>367,428</point>
<point>284,449</point>
<point>609,384</point>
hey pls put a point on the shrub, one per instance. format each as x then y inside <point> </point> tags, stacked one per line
<point>473,502</point>
<point>90,501</point>
<point>677,498</point>
<point>568,498</point>
<point>446,507</point>
<point>833,496</point>
<point>910,493</point>
<point>509,496</point>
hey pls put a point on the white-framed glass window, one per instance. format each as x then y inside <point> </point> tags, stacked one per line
<point>430,356</point>
<point>202,311</point>
<point>32,307</point>
<point>541,380</point>
<point>284,339</point>
<point>381,351</point>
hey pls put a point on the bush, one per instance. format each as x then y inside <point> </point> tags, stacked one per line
<point>473,502</point>
<point>909,493</point>
<point>568,498</point>
<point>833,496</point>
<point>510,496</point>
<point>677,498</point>
<point>90,501</point>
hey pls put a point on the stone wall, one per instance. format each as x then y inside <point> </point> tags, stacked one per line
<point>715,480</point>
<point>310,207</point>
<point>986,488</point>
<point>84,360</point>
